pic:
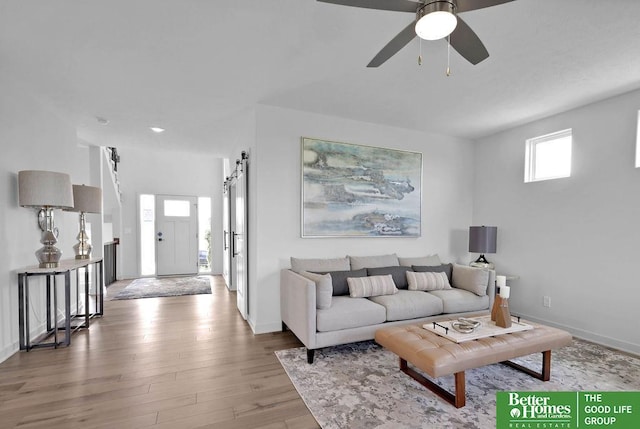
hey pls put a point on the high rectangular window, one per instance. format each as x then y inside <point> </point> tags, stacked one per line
<point>177,208</point>
<point>548,157</point>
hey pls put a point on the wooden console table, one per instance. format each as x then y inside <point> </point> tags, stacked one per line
<point>51,277</point>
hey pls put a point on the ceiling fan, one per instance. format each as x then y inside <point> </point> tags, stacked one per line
<point>435,19</point>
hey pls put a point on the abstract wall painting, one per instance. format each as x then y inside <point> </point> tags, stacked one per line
<point>351,190</point>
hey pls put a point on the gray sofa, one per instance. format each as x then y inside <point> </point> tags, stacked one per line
<point>343,318</point>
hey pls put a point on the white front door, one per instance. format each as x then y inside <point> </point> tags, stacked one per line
<point>176,235</point>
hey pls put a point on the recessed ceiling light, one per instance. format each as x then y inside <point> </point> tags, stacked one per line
<point>101,120</point>
<point>157,129</point>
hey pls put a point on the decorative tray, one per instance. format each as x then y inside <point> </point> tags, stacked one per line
<point>486,329</point>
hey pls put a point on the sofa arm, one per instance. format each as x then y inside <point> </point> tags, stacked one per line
<point>298,306</point>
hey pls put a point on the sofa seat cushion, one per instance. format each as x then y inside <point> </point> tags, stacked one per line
<point>346,312</point>
<point>409,304</point>
<point>460,300</point>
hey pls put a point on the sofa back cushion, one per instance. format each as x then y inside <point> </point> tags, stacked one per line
<point>324,288</point>
<point>358,262</point>
<point>339,280</point>
<point>429,260</point>
<point>363,287</point>
<point>443,268</point>
<point>320,265</point>
<point>427,281</point>
<point>472,279</point>
<point>399,274</point>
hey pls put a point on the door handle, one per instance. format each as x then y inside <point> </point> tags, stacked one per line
<point>233,243</point>
<point>224,240</point>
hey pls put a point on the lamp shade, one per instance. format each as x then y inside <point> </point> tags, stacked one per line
<point>482,239</point>
<point>86,199</point>
<point>44,189</point>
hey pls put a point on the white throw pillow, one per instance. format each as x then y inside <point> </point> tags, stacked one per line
<point>362,287</point>
<point>324,288</point>
<point>472,279</point>
<point>427,281</point>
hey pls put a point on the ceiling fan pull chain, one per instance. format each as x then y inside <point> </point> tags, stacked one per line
<point>419,51</point>
<point>448,55</point>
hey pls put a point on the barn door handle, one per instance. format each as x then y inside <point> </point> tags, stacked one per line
<point>233,243</point>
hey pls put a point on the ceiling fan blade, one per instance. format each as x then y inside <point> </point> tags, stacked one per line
<point>397,43</point>
<point>467,43</point>
<point>467,5</point>
<point>392,5</point>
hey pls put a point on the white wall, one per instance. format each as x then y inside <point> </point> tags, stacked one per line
<point>446,200</point>
<point>32,137</point>
<point>155,171</point>
<point>575,239</point>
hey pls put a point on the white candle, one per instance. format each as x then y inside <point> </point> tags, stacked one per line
<point>501,281</point>
<point>505,292</point>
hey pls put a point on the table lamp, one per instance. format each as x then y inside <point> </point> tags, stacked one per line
<point>46,191</point>
<point>482,239</point>
<point>86,199</point>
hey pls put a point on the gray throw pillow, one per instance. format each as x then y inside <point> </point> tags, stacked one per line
<point>472,279</point>
<point>339,280</point>
<point>399,274</point>
<point>324,288</point>
<point>444,268</point>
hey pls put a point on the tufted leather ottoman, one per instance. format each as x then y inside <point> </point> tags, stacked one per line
<point>438,356</point>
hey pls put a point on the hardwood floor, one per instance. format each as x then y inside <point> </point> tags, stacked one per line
<point>180,362</point>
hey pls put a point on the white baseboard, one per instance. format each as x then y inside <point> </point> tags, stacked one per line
<point>8,351</point>
<point>590,336</point>
<point>266,328</point>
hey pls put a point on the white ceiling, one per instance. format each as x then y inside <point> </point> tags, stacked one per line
<point>192,65</point>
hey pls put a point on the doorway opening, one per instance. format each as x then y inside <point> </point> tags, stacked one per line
<point>149,235</point>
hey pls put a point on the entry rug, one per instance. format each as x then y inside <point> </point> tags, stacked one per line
<point>166,286</point>
<point>359,385</point>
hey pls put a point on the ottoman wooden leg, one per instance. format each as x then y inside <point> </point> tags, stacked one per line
<point>457,399</point>
<point>544,375</point>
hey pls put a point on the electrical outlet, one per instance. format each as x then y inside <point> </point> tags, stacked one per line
<point>546,301</point>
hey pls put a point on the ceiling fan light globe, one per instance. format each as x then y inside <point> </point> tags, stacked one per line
<point>436,25</point>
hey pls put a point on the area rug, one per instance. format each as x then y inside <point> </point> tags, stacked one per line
<point>166,286</point>
<point>360,386</point>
